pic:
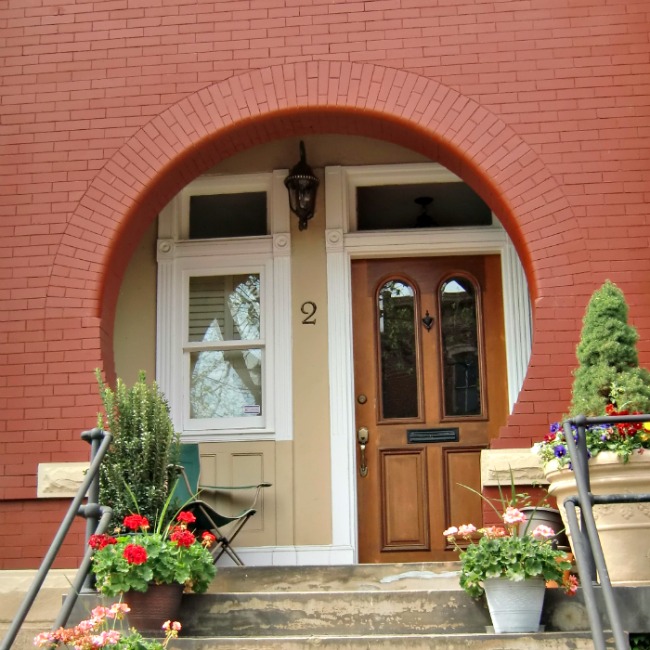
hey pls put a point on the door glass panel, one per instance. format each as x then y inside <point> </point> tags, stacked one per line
<point>460,349</point>
<point>397,345</point>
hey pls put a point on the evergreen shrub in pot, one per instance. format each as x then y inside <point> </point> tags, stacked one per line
<point>609,381</point>
<point>135,474</point>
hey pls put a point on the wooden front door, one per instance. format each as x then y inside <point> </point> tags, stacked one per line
<point>430,392</point>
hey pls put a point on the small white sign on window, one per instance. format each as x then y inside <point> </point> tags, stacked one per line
<point>253,409</point>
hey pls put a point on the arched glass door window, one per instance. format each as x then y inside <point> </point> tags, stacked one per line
<point>397,344</point>
<point>460,347</point>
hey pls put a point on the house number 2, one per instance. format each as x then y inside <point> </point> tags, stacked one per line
<point>309,310</point>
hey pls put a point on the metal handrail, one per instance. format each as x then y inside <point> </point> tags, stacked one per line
<point>94,513</point>
<point>587,547</point>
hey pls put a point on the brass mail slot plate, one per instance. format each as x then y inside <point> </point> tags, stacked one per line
<point>421,436</point>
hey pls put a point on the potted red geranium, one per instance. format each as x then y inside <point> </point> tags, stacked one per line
<point>159,564</point>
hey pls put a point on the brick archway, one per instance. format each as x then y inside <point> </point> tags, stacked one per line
<point>281,101</point>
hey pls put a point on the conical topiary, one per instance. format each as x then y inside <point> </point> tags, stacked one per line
<point>609,370</point>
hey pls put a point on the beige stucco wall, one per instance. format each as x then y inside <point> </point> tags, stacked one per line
<point>135,321</point>
<point>300,500</point>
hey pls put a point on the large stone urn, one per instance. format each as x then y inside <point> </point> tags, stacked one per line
<point>624,529</point>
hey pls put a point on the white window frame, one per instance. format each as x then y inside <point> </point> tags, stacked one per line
<point>180,258</point>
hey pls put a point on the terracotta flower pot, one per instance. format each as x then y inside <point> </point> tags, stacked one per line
<point>624,529</point>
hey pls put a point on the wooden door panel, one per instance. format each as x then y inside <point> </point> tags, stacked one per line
<point>405,500</point>
<point>462,467</point>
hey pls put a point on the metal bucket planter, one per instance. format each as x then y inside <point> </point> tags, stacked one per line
<point>543,516</point>
<point>515,606</point>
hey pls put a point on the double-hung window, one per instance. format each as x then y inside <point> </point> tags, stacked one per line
<point>223,350</point>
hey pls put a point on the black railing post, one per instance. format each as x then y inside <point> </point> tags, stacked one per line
<point>590,558</point>
<point>57,542</point>
<point>83,573</point>
<point>94,437</point>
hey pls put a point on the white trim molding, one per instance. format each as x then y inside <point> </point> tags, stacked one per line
<point>343,245</point>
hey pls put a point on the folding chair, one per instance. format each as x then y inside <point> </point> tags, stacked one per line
<point>188,491</point>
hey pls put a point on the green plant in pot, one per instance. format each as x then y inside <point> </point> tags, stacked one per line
<point>144,557</point>
<point>151,568</point>
<point>502,560</point>
<point>148,565</point>
<point>609,381</point>
<point>608,372</point>
<point>135,473</point>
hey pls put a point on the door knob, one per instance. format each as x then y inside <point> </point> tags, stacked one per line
<point>362,436</point>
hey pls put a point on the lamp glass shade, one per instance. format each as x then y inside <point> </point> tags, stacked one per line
<point>302,184</point>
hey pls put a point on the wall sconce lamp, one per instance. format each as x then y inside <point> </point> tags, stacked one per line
<point>302,185</point>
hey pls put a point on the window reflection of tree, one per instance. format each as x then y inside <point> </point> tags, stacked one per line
<point>460,347</point>
<point>223,382</point>
<point>396,309</point>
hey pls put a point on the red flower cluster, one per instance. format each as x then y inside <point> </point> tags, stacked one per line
<point>135,522</point>
<point>186,517</point>
<point>207,539</point>
<point>625,429</point>
<point>100,541</point>
<point>135,554</point>
<point>182,536</point>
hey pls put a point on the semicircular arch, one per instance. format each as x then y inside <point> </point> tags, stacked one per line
<point>243,111</point>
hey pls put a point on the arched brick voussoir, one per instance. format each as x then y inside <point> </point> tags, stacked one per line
<point>292,100</point>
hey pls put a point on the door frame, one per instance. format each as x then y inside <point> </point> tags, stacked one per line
<point>342,246</point>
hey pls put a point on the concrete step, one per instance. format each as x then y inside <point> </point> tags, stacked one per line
<point>540,641</point>
<point>339,600</point>
<point>334,612</point>
<point>358,577</point>
<point>370,606</point>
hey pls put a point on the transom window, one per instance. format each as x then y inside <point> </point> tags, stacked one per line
<point>423,205</point>
<point>242,214</point>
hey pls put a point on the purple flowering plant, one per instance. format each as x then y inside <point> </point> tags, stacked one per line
<point>622,439</point>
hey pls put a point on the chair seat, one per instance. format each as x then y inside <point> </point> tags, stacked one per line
<point>207,516</point>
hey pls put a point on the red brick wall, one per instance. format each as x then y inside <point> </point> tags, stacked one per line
<point>107,108</point>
